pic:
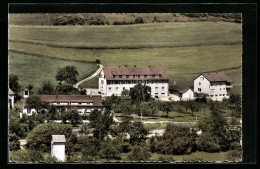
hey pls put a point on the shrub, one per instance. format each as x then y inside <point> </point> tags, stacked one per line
<point>40,137</point>
<point>26,156</point>
<point>14,142</point>
<point>98,61</point>
<point>165,158</point>
<point>139,153</point>
<point>234,155</point>
<point>139,20</point>
<point>206,142</point>
<point>176,140</point>
<point>109,150</point>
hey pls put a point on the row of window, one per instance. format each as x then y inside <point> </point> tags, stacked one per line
<point>135,76</point>
<point>110,88</point>
<point>74,103</point>
<point>219,95</point>
<point>134,82</point>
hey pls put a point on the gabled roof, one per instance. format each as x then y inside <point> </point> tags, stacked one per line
<point>110,72</point>
<point>179,89</point>
<point>58,138</point>
<point>96,99</point>
<point>10,92</point>
<point>217,77</point>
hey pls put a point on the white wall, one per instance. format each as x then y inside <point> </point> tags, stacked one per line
<point>188,95</point>
<point>215,90</point>
<point>201,83</point>
<point>58,151</point>
<point>102,83</point>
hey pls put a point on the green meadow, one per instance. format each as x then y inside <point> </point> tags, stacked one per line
<point>184,49</point>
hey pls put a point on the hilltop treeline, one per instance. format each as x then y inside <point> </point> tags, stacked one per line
<point>119,19</point>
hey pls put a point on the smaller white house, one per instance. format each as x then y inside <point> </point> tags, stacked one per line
<point>10,99</point>
<point>183,92</point>
<point>58,147</point>
<point>216,84</point>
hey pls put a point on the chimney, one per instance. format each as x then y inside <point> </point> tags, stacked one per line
<point>134,65</point>
<point>25,93</point>
<point>149,66</point>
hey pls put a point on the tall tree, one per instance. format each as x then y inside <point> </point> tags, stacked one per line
<point>68,74</point>
<point>47,88</point>
<point>166,107</point>
<point>15,86</point>
<point>34,102</point>
<point>73,116</point>
<point>140,93</point>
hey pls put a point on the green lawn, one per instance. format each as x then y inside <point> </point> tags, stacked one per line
<point>35,69</point>
<point>184,49</point>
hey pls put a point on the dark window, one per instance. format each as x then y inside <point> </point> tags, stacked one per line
<point>79,102</point>
<point>58,102</point>
<point>26,92</point>
<point>138,76</point>
<point>127,76</point>
<point>153,75</point>
<point>120,76</point>
<point>199,89</point>
<point>145,75</point>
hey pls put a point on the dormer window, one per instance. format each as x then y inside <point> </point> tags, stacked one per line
<point>127,76</point>
<point>145,75</point>
<point>120,76</point>
<point>138,76</point>
<point>153,75</point>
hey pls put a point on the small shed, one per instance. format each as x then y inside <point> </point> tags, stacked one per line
<point>183,92</point>
<point>58,147</point>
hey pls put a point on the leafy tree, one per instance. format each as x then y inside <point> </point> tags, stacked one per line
<point>178,108</point>
<point>193,106</point>
<point>98,61</point>
<point>207,142</point>
<point>40,137</point>
<point>72,147</point>
<point>52,113</point>
<point>140,93</point>
<point>73,116</point>
<point>14,143</point>
<point>30,87</point>
<point>137,133</point>
<point>176,140</point>
<point>166,107</point>
<point>91,147</point>
<point>68,74</point>
<point>34,102</point>
<point>153,107</point>
<point>125,93</point>
<point>47,88</point>
<point>124,107</point>
<point>217,128</point>
<point>109,150</point>
<point>110,101</point>
<point>101,121</point>
<point>15,86</point>
<point>139,153</point>
<point>65,88</point>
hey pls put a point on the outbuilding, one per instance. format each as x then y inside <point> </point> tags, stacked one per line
<point>183,92</point>
<point>58,147</point>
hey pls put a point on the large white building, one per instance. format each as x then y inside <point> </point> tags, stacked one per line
<point>115,80</point>
<point>83,103</point>
<point>217,85</point>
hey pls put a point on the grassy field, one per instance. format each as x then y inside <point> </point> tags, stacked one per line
<point>184,49</point>
<point>33,69</point>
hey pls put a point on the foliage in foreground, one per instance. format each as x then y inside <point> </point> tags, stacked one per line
<point>40,137</point>
<point>26,156</point>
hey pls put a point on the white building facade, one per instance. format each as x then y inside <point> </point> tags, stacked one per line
<point>183,92</point>
<point>83,103</point>
<point>58,147</point>
<point>10,99</point>
<point>115,80</point>
<point>217,85</point>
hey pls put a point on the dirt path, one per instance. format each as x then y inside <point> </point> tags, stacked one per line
<point>90,77</point>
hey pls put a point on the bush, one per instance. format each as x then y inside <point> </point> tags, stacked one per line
<point>14,143</point>
<point>166,158</point>
<point>139,153</point>
<point>109,150</point>
<point>98,61</point>
<point>68,20</point>
<point>40,137</point>
<point>176,140</point>
<point>206,142</point>
<point>26,156</point>
<point>234,155</point>
<point>139,20</point>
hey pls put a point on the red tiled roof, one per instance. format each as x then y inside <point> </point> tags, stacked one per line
<point>97,100</point>
<point>11,92</point>
<point>179,89</point>
<point>110,72</point>
<point>217,77</point>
